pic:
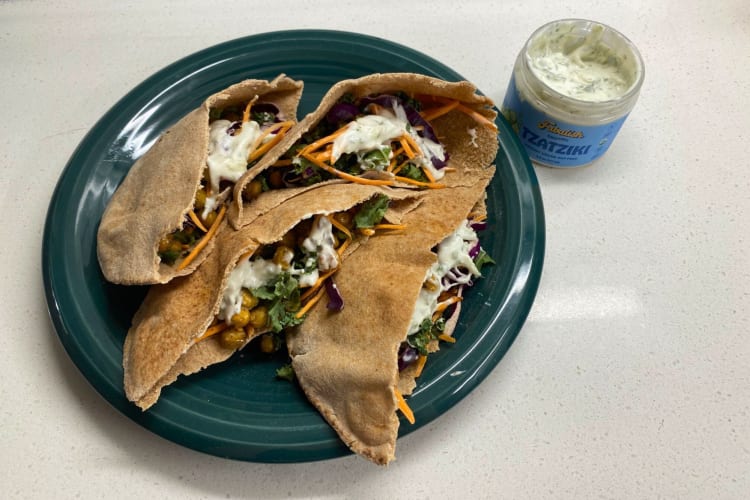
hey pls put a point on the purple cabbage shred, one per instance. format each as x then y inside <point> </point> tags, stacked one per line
<point>335,300</point>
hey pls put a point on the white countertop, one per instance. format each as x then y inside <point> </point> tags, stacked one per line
<point>631,376</point>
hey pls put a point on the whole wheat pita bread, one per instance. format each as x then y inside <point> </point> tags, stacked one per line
<point>471,146</point>
<point>160,188</point>
<point>346,363</point>
<point>161,343</point>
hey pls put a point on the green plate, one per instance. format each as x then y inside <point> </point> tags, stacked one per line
<point>238,409</point>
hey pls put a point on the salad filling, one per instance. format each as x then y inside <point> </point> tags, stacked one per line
<point>382,139</point>
<point>238,137</point>
<point>460,259</point>
<point>273,287</point>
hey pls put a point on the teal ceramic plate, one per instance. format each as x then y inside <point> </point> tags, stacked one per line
<point>238,409</point>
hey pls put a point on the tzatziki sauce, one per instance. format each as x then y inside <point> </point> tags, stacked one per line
<point>573,85</point>
<point>582,68</point>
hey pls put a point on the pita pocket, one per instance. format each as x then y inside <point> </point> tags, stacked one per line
<point>348,363</point>
<point>393,129</point>
<point>258,280</point>
<point>157,224</point>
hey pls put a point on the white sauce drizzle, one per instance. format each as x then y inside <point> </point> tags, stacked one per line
<point>376,131</point>
<point>256,272</point>
<point>227,155</point>
<point>453,254</point>
<point>320,242</point>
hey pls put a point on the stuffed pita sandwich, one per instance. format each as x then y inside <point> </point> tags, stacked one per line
<point>160,222</point>
<point>393,129</point>
<point>258,281</point>
<point>352,366</point>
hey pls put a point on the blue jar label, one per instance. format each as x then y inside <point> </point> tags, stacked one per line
<point>555,142</point>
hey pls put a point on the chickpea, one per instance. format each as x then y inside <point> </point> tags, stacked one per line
<point>209,219</point>
<point>241,319</point>
<point>175,246</point>
<point>259,317</point>
<point>200,199</point>
<point>253,190</point>
<point>276,179</point>
<point>249,300</point>
<point>283,256</point>
<point>432,284</point>
<point>345,218</point>
<point>267,343</point>
<point>249,330</point>
<point>164,244</point>
<point>232,338</point>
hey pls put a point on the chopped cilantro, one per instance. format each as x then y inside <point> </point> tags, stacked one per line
<point>285,372</point>
<point>282,295</point>
<point>409,101</point>
<point>428,331</point>
<point>412,171</point>
<point>371,212</point>
<point>262,117</point>
<point>169,256</point>
<point>482,258</point>
<point>377,159</point>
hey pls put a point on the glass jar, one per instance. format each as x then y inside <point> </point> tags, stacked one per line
<point>573,85</point>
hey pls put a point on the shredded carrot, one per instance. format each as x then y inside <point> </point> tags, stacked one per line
<point>203,241</point>
<point>433,113</point>
<point>413,144</point>
<point>444,304</point>
<point>338,225</point>
<point>403,406</point>
<point>447,338</point>
<point>324,155</point>
<point>197,221</point>
<point>395,227</point>
<point>375,108</point>
<point>246,114</point>
<point>343,229</point>
<point>394,160</point>
<point>428,174</point>
<point>212,330</point>
<point>432,185</point>
<point>421,360</point>
<point>407,147</point>
<point>345,176</point>
<point>477,217</point>
<point>281,129</point>
<point>480,118</point>
<point>398,169</point>
<point>322,141</point>
<point>340,249</point>
<point>366,231</point>
<point>310,303</point>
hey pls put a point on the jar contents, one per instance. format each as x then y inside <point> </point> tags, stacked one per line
<point>573,85</point>
<point>582,68</point>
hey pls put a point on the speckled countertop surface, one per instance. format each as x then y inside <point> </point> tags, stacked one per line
<point>631,377</point>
